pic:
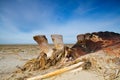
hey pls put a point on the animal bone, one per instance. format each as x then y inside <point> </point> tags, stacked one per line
<point>59,47</point>
<point>58,41</point>
<point>56,72</point>
<point>43,44</point>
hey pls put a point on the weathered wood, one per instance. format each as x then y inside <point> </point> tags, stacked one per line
<point>56,72</point>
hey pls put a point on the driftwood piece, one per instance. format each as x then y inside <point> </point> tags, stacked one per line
<point>43,44</point>
<point>56,72</point>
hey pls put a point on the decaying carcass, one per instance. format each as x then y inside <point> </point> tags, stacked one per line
<point>61,54</point>
<point>88,43</point>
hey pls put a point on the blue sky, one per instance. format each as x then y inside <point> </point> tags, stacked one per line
<point>20,20</point>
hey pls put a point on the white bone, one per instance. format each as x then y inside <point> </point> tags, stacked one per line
<point>43,44</point>
<point>56,72</point>
<point>58,41</point>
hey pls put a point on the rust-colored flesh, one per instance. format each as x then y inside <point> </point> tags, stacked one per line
<point>91,42</point>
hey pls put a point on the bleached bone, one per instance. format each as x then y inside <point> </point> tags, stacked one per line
<point>76,70</point>
<point>39,77</point>
<point>58,41</point>
<point>43,44</point>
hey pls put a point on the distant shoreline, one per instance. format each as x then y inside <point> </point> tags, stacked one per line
<point>30,44</point>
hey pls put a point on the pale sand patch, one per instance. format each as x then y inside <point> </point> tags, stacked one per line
<point>79,75</point>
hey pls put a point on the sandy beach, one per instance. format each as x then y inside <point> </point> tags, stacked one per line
<point>12,56</point>
<point>15,55</point>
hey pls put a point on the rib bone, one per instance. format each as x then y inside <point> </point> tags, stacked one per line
<point>43,44</point>
<point>58,41</point>
<point>54,73</point>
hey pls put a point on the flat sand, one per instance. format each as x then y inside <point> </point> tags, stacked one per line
<point>16,55</point>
